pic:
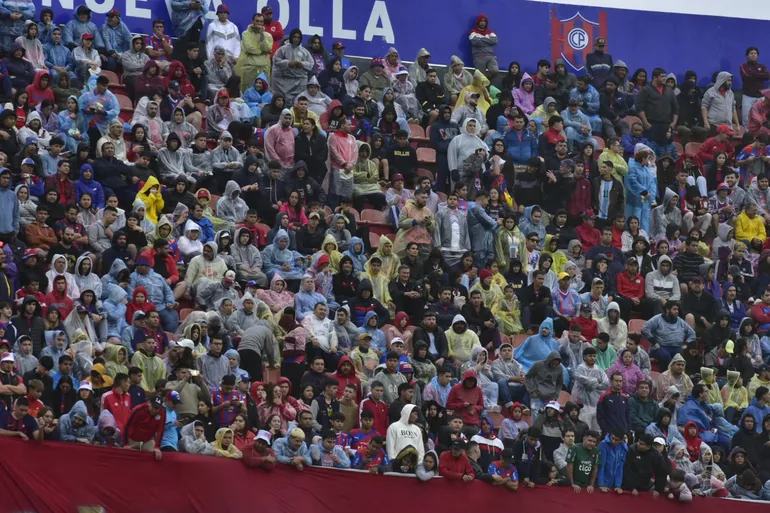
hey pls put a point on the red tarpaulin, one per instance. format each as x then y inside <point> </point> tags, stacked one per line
<point>59,477</point>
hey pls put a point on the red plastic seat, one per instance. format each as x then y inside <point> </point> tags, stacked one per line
<point>600,145</point>
<point>184,312</point>
<point>373,216</point>
<point>213,203</point>
<point>679,149</point>
<point>635,326</point>
<point>631,120</point>
<point>374,240</point>
<point>426,156</point>
<point>692,147</point>
<point>125,102</point>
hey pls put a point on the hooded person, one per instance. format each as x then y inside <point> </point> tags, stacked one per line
<point>405,433</point>
<point>277,297</point>
<point>202,269</point>
<point>538,346</point>
<point>56,269</point>
<point>224,445</point>
<point>290,81</point>
<point>464,146</point>
<point>76,425</point>
<point>40,89</point>
<point>231,207</point>
<point>258,95</point>
<point>190,245</point>
<point>151,196</point>
<point>318,101</point>
<point>33,128</point>
<point>85,278</point>
<point>247,258</point>
<point>193,443</point>
<point>278,258</point>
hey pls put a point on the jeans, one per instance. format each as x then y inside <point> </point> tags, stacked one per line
<point>664,354</point>
<point>513,392</point>
<point>578,138</point>
<point>169,319</point>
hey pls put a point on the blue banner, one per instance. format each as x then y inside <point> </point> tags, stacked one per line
<point>673,34</point>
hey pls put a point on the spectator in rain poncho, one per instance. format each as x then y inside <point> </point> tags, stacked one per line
<point>231,206</point>
<point>277,297</point>
<point>181,127</point>
<point>247,258</point>
<point>85,278</point>
<point>82,351</point>
<point>288,80</point>
<point>404,92</point>
<point>32,45</point>
<point>317,101</point>
<point>464,146</point>
<point>115,309</point>
<point>77,424</point>
<point>189,244</point>
<point>357,252</point>
<point>258,95</point>
<point>278,258</point>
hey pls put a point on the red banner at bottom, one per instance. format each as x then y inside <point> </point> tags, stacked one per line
<point>66,478</point>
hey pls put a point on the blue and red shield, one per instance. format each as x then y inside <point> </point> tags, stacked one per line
<point>572,39</point>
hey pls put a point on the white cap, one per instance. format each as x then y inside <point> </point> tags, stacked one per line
<point>659,440</point>
<point>86,385</point>
<point>553,404</point>
<point>8,357</point>
<point>264,435</point>
<point>397,340</point>
<point>186,342</point>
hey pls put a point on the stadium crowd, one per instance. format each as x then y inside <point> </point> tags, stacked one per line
<point>563,282</point>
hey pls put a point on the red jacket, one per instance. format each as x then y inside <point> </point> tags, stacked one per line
<point>454,468</point>
<point>617,237</point>
<point>588,236</point>
<point>580,201</point>
<point>710,146</point>
<point>252,458</point>
<point>62,302</point>
<point>142,426</point>
<point>589,326</point>
<point>347,379</point>
<point>628,288</point>
<point>380,410</point>
<point>761,314</point>
<point>119,405</point>
<point>459,395</point>
<point>132,306</point>
<point>171,268</point>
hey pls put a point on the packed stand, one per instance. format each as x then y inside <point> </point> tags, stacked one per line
<point>523,278</point>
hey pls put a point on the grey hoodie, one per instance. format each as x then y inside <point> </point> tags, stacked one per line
<point>724,239</point>
<point>133,62</point>
<point>192,445</point>
<point>760,197</point>
<point>720,107</point>
<point>544,380</point>
<point>624,85</point>
<point>231,206</point>
<point>663,215</point>
<point>658,285</point>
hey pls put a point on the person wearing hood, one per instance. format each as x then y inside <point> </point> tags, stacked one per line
<point>590,383</point>
<point>483,42</point>
<point>613,451</point>
<point>441,137</point>
<point>318,101</point>
<point>544,379</point>
<point>220,116</point>
<point>456,78</point>
<point>21,71</point>
<point>231,206</point>
<point>150,194</point>
<point>218,70</point>
<point>134,59</point>
<point>291,65</point>
<point>759,407</point>
<point>258,95</point>
<point>256,48</point>
<point>464,146</point>
<point>77,426</point>
<point>79,25</point>
<point>661,286</point>
<point>158,292</point>
<point>99,107</point>
<point>707,419</point>
<point>718,105</point>
<point>280,142</point>
<point>14,22</point>
<point>277,257</point>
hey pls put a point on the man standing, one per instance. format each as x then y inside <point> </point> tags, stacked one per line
<point>612,412</point>
<point>599,63</point>
<point>291,64</point>
<point>187,19</point>
<point>483,42</point>
<point>754,77</point>
<point>19,423</point>
<point>405,433</point>
<point>718,104</point>
<point>118,401</point>
<point>544,381</point>
<point>257,46</point>
<point>343,154</point>
<point>274,28</point>
<point>482,230</point>
<point>644,469</point>
<point>417,224</point>
<point>223,32</point>
<point>657,107</point>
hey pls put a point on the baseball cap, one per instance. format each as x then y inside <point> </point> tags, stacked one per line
<point>314,214</point>
<point>87,36</point>
<point>8,357</point>
<point>585,307</point>
<point>143,260</point>
<point>378,62</point>
<point>724,129</point>
<point>723,187</point>
<point>223,8</point>
<point>138,316</point>
<point>173,396</point>
<point>589,214</point>
<point>229,276</point>
<point>364,336</point>
<point>174,85</point>
<point>459,443</point>
<point>86,385</point>
<point>553,405</point>
<point>113,13</point>
<point>659,440</point>
<point>186,342</point>
<point>597,281</point>
<point>563,275</point>
<point>156,401</point>
<point>252,283</point>
<point>402,71</point>
<point>697,279</point>
<point>405,367</point>
<point>600,41</point>
<point>338,45</point>
<point>397,177</point>
<point>29,254</point>
<point>27,162</point>
<point>764,367</point>
<point>264,435</point>
<point>397,340</point>
<point>267,8</point>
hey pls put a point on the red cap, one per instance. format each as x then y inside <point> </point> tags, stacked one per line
<point>396,177</point>
<point>87,36</point>
<point>113,12</point>
<point>484,274</point>
<point>724,129</point>
<point>223,8</point>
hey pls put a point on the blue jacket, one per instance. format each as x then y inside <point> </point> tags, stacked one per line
<point>482,229</point>
<point>74,30</point>
<point>158,290</point>
<point>758,412</point>
<point>115,309</point>
<point>640,179</point>
<point>110,112</point>
<point>183,18</point>
<point>613,412</point>
<point>317,451</point>
<point>671,334</point>
<point>612,461</point>
<point>91,186</point>
<point>379,342</point>
<point>117,39</point>
<point>57,55</point>
<point>254,98</point>
<point>284,452</point>
<point>740,309</point>
<point>12,29</point>
<point>629,142</point>
<point>207,229</point>
<point>521,147</point>
<point>575,120</point>
<point>694,411</point>
<point>304,303</point>
<point>9,207</point>
<point>589,99</point>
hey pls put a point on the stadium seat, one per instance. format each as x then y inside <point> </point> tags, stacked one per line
<point>564,396</point>
<point>171,336</point>
<point>635,326</point>
<point>213,203</point>
<point>519,339</point>
<point>125,102</point>
<point>377,222</point>
<point>374,240</point>
<point>679,149</point>
<point>426,156</point>
<point>631,120</point>
<point>441,196</point>
<point>184,312</point>
<point>600,145</point>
